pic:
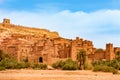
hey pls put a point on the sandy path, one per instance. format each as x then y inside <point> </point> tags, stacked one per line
<point>55,75</point>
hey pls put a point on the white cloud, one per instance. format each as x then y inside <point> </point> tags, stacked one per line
<point>101,26</point>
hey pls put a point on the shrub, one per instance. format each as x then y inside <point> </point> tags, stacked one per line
<point>22,65</point>
<point>116,64</point>
<point>43,66</point>
<point>40,66</point>
<point>19,66</point>
<point>65,65</point>
<point>2,68</point>
<point>97,68</point>
<point>70,65</point>
<point>115,71</point>
<point>8,63</point>
<point>58,64</point>
<point>87,66</point>
<point>113,63</point>
<point>105,69</point>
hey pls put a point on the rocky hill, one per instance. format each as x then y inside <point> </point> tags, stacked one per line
<point>8,30</point>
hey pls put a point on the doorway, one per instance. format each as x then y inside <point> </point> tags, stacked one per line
<point>40,59</point>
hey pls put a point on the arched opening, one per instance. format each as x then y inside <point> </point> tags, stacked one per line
<point>40,59</point>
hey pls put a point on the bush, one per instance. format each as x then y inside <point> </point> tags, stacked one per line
<point>40,66</point>
<point>2,68</point>
<point>115,71</point>
<point>107,66</point>
<point>43,66</point>
<point>30,65</point>
<point>87,66</point>
<point>22,65</point>
<point>105,69</point>
<point>116,64</point>
<point>113,63</point>
<point>97,68</point>
<point>65,65</point>
<point>58,64</point>
<point>70,65</point>
<point>8,63</point>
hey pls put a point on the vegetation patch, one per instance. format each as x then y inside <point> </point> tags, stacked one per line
<point>8,62</point>
<point>66,65</point>
<point>2,68</point>
<point>106,66</point>
<point>40,66</point>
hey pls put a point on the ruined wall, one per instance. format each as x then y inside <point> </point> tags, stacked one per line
<point>78,44</point>
<point>12,50</point>
<point>109,55</point>
<point>24,51</point>
<point>6,22</point>
<point>99,55</point>
<point>116,49</point>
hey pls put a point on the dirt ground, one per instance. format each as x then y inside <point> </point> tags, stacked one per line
<point>55,75</point>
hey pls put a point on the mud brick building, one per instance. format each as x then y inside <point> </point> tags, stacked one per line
<point>43,46</point>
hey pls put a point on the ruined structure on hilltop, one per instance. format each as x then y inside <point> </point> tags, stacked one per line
<point>41,45</point>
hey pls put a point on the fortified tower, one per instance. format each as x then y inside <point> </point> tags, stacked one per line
<point>109,55</point>
<point>6,22</point>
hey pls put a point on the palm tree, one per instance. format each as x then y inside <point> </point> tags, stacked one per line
<point>81,58</point>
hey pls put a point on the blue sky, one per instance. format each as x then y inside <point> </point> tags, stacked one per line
<point>72,5</point>
<point>96,20</point>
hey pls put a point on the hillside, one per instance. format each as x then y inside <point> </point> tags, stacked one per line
<point>7,30</point>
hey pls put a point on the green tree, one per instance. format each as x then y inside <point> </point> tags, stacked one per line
<point>81,58</point>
